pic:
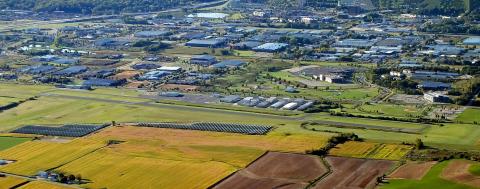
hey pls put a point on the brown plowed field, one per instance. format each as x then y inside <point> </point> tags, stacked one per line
<point>277,170</point>
<point>457,171</point>
<point>413,170</point>
<point>352,173</point>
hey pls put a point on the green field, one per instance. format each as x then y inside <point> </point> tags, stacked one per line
<point>475,169</point>
<point>430,180</point>
<point>8,142</point>
<point>470,115</point>
<point>393,110</point>
<point>122,105</point>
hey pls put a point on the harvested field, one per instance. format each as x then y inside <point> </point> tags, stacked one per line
<point>9,182</point>
<point>294,171</point>
<point>170,158</point>
<point>413,170</point>
<point>42,185</point>
<point>457,171</point>
<point>353,173</point>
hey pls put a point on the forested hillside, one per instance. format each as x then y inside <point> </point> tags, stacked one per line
<point>95,6</point>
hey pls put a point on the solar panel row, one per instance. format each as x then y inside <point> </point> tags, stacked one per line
<point>65,131</point>
<point>216,127</point>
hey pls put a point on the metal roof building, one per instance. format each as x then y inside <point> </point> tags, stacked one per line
<point>152,34</point>
<point>229,64</point>
<point>74,70</point>
<point>271,47</point>
<point>206,43</point>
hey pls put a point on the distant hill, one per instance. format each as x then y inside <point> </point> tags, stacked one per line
<point>95,6</point>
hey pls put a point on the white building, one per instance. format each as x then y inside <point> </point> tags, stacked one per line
<point>436,97</point>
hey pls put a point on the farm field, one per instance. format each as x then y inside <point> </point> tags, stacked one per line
<point>412,170</point>
<point>458,171</point>
<point>34,156</point>
<point>393,110</point>
<point>470,115</point>
<point>42,185</point>
<point>8,182</point>
<point>168,155</point>
<point>8,142</point>
<point>451,136</point>
<point>295,171</point>
<point>353,173</point>
<point>54,110</point>
<point>7,100</point>
<point>371,150</point>
<point>22,91</point>
<point>474,169</point>
<point>431,180</point>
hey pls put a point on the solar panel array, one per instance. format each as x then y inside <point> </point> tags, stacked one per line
<point>65,131</point>
<point>216,127</point>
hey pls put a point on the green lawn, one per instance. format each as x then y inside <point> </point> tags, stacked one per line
<point>475,169</point>
<point>431,180</point>
<point>8,142</point>
<point>470,115</point>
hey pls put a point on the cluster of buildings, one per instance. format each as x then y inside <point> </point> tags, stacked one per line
<point>269,102</point>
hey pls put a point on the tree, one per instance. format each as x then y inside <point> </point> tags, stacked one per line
<point>71,178</point>
<point>419,144</point>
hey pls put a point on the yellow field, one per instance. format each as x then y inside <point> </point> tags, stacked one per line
<point>165,158</point>
<point>42,185</point>
<point>8,182</point>
<point>34,156</point>
<point>110,170</point>
<point>390,151</point>
<point>353,149</point>
<point>371,150</point>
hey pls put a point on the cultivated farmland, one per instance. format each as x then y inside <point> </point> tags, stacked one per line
<point>294,171</point>
<point>458,171</point>
<point>8,182</point>
<point>353,173</point>
<point>34,156</point>
<point>8,142</point>
<point>412,170</point>
<point>371,150</point>
<point>164,158</point>
<point>431,180</point>
<point>42,185</point>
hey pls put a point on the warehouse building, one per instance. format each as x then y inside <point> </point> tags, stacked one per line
<point>209,43</point>
<point>203,60</point>
<point>271,47</point>
<point>104,82</point>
